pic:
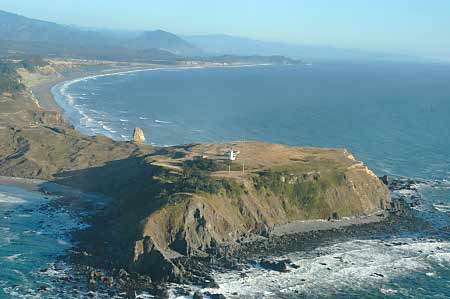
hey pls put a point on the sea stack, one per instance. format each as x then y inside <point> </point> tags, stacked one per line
<point>138,135</point>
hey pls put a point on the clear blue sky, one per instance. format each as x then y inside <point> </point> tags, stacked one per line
<point>415,27</point>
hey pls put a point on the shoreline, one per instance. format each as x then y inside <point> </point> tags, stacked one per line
<point>43,91</point>
<point>304,240</point>
<point>305,226</point>
<point>23,183</point>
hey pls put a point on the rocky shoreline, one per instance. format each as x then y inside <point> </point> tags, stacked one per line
<point>94,266</point>
<point>257,250</point>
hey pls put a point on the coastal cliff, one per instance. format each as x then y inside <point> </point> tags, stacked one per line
<point>178,202</point>
<point>214,202</point>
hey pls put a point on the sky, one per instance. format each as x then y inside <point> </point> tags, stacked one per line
<point>412,27</point>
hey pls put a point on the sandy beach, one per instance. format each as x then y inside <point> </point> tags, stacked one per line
<point>42,90</point>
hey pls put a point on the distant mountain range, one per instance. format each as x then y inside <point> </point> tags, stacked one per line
<point>21,29</point>
<point>221,44</point>
<point>22,35</point>
<point>165,41</point>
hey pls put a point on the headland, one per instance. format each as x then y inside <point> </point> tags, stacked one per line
<point>175,206</point>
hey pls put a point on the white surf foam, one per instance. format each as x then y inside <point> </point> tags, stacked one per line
<point>62,242</point>
<point>11,199</point>
<point>109,129</point>
<point>13,257</point>
<point>353,265</point>
<point>162,121</point>
<point>442,208</point>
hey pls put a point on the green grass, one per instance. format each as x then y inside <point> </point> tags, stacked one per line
<point>196,177</point>
<point>304,190</point>
<point>9,79</point>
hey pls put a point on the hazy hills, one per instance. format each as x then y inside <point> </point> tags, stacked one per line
<point>220,44</point>
<point>22,35</point>
<point>21,29</point>
<point>163,40</point>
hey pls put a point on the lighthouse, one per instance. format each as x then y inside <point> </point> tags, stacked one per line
<point>232,154</point>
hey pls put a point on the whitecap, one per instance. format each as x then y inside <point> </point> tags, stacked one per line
<point>442,208</point>
<point>62,242</point>
<point>8,198</point>
<point>388,291</point>
<point>24,215</point>
<point>162,121</point>
<point>13,257</point>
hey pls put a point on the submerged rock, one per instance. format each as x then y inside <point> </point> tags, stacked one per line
<point>215,296</point>
<point>279,266</point>
<point>198,295</point>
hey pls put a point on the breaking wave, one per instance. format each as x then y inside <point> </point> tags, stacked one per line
<point>353,266</point>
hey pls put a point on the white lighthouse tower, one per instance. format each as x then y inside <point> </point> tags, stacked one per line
<point>232,155</point>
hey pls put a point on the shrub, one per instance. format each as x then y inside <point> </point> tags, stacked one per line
<point>32,63</point>
<point>9,79</point>
<point>304,190</point>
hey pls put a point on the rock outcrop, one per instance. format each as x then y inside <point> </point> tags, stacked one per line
<point>148,258</point>
<point>138,135</point>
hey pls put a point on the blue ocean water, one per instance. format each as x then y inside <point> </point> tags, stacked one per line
<point>395,117</point>
<point>32,237</point>
<point>35,239</point>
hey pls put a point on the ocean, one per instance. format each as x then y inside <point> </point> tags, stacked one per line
<point>395,117</point>
<point>33,236</point>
